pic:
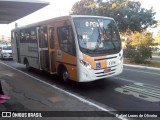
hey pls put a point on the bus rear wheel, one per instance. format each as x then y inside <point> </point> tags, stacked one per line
<point>27,65</point>
<point>64,75</point>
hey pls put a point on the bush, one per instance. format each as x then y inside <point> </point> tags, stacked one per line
<point>139,54</point>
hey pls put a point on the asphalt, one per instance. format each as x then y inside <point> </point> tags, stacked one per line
<point>31,95</point>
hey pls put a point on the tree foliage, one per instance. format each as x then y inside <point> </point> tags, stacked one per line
<point>144,38</point>
<point>84,7</point>
<point>138,54</point>
<point>158,38</point>
<point>127,13</point>
<point>138,48</point>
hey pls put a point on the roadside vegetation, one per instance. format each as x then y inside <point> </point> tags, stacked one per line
<point>147,63</point>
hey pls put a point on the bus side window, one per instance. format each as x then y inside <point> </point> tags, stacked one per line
<point>51,38</point>
<point>66,39</point>
<point>72,40</point>
<point>33,35</point>
<point>22,37</point>
<point>27,35</point>
<point>43,38</point>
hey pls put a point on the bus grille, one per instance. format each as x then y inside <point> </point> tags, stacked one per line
<point>101,73</point>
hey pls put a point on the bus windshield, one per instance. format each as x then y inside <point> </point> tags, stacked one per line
<point>97,35</point>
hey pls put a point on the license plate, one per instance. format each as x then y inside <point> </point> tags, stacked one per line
<point>107,70</point>
<point>111,62</point>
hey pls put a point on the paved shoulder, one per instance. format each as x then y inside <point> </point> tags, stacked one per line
<point>32,94</point>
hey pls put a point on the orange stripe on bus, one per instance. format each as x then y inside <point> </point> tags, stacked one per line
<point>92,62</point>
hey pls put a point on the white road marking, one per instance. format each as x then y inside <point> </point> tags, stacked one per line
<point>123,79</point>
<point>64,91</point>
<point>141,91</point>
<point>142,71</point>
<point>139,66</point>
<point>149,92</point>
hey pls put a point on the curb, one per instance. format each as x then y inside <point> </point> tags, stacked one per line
<point>139,66</point>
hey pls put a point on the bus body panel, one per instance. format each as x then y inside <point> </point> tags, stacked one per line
<point>30,52</point>
<point>63,56</point>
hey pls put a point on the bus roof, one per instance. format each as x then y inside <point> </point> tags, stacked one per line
<point>59,18</point>
<point>74,16</point>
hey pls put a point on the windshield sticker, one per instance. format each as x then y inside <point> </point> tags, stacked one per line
<point>91,44</point>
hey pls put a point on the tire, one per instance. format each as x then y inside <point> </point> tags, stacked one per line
<point>64,75</point>
<point>27,65</point>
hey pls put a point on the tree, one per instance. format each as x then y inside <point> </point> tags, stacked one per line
<point>84,7</point>
<point>127,13</point>
<point>144,38</point>
<point>158,38</point>
<point>138,54</point>
<point>138,49</point>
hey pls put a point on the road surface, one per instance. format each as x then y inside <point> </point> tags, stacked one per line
<point>136,89</point>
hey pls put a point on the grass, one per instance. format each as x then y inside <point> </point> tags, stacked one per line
<point>149,63</point>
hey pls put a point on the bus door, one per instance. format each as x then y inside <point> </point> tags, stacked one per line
<point>51,42</point>
<point>43,48</point>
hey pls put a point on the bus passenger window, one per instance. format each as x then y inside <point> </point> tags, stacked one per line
<point>51,32</point>
<point>33,36</point>
<point>42,38</point>
<point>27,37</point>
<point>22,38</point>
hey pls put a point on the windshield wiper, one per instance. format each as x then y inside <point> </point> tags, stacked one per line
<point>112,39</point>
<point>99,39</point>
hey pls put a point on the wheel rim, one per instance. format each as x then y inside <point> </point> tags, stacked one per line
<point>65,76</point>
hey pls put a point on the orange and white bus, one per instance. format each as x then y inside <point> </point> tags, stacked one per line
<point>76,47</point>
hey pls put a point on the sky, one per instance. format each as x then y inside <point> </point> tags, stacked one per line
<point>63,7</point>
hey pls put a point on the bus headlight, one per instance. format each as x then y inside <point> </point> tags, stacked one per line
<point>85,63</point>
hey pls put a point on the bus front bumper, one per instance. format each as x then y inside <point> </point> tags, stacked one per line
<point>86,75</point>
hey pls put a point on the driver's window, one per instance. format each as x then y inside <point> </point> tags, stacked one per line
<point>43,38</point>
<point>66,39</point>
